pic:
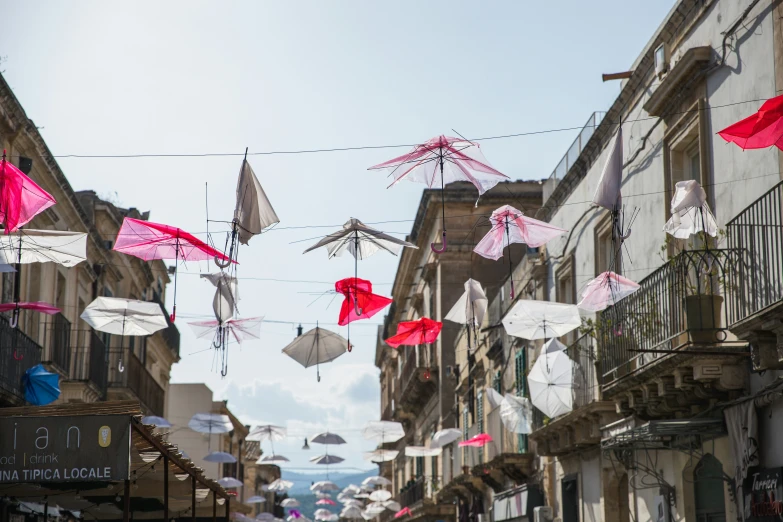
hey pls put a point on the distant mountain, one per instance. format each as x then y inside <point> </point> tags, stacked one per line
<point>302,481</point>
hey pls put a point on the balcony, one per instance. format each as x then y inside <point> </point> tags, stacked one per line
<point>90,363</point>
<point>170,334</point>
<point>53,334</point>
<point>507,456</point>
<point>418,382</point>
<point>18,353</point>
<point>127,373</point>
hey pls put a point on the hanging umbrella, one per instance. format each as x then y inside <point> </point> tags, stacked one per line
<point>40,387</point>
<point>383,431</point>
<point>325,502</point>
<point>541,319</point>
<point>326,459</point>
<point>380,495</point>
<point>21,199</point>
<point>327,438</point>
<point>690,212</point>
<point>255,500</point>
<point>316,347</point>
<point>322,514</point>
<point>220,457</point>
<point>44,308</point>
<point>605,290</point>
<point>422,451</point>
<point>226,295</point>
<point>477,441</point>
<point>607,194</point>
<point>369,515</point>
<point>493,397</point>
<point>401,513</point>
<point>295,514</point>
<point>470,309</point>
<point>230,482</point>
<point>376,480</point>
<point>375,508</point>
<point>352,502</point>
<point>551,383</point>
<point>381,455</point>
<point>290,503</point>
<point>241,330</point>
<point>411,333</point>
<point>267,432</point>
<point>158,422</point>
<point>516,413</point>
<point>43,246</point>
<point>322,494</point>
<point>445,437</point>
<point>351,512</point>
<point>324,486</point>
<point>210,423</point>
<point>265,516</point>
<point>280,485</point>
<point>553,345</point>
<point>454,159</point>
<point>758,131</point>
<point>148,241</point>
<point>360,302</point>
<point>392,505</point>
<point>272,459</point>
<point>509,225</point>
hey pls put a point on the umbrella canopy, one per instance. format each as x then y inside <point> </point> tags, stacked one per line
<point>553,345</point>
<point>326,459</point>
<point>411,333</point>
<point>551,382</point>
<point>381,455</point>
<point>323,494</point>
<point>44,308</point>
<point>230,482</point>
<point>360,241</point>
<point>327,438</point>
<point>359,302</point>
<point>221,457</point>
<point>267,432</point>
<point>271,459</point>
<point>325,502</point>
<point>761,130</point>
<point>316,347</point>
<point>383,431</point>
<point>351,512</point>
<point>324,485</point>
<point>255,500</point>
<point>392,505</point>
<point>21,199</point>
<point>440,161</point>
<point>380,495</point>
<point>401,513</point>
<point>375,507</point>
<point>289,503</point>
<point>280,485</point>
<point>210,423</point>
<point>493,397</point>
<point>422,451</point>
<point>690,212</point>
<point>44,246</point>
<point>253,212</point>
<point>119,316</point>
<point>158,422</point>
<point>376,480</point>
<point>516,413</point>
<point>471,307</point>
<point>607,194</point>
<point>40,387</point>
<point>240,330</point>
<point>541,319</point>
<point>445,437</point>
<point>352,502</point>
<point>478,441</point>
<point>226,295</point>
<point>605,290</point>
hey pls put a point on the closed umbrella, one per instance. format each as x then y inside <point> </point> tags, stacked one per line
<point>221,457</point>
<point>516,413</point>
<point>359,302</point>
<point>551,382</point>
<point>383,431</point>
<point>445,437</point>
<point>253,212</point>
<point>470,308</point>
<point>541,319</point>
<point>691,213</point>
<point>316,347</point>
<point>40,387</point>
<point>760,130</point>
<point>403,512</point>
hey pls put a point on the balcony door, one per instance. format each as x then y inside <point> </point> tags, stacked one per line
<point>570,494</point>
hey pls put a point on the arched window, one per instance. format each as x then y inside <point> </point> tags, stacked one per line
<point>708,490</point>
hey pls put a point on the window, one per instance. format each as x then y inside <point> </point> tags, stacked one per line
<point>480,410</point>
<point>465,423</point>
<point>497,382</point>
<point>520,366</point>
<point>570,494</point>
<point>708,490</point>
<point>608,256</point>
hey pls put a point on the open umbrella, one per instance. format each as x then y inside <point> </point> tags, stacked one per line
<point>324,486</point>
<point>280,485</point>
<point>375,507</point>
<point>516,413</point>
<point>509,225</point>
<point>44,246</point>
<point>230,482</point>
<point>380,455</point>
<point>316,347</point>
<point>40,387</point>
<point>551,382</point>
<point>383,431</point>
<point>272,459</point>
<point>454,159</point>
<point>605,290</point>
<point>351,512</point>
<point>412,333</point>
<point>376,480</point>
<point>422,451</point>
<point>148,241</point>
<point>327,438</point>
<point>493,397</point>
<point>553,345</point>
<point>401,513</point>
<point>470,309</point>
<point>380,495</point>
<point>271,433</point>
<point>21,199</point>
<point>326,459</point>
<point>255,499</point>
<point>691,213</point>
<point>44,308</point>
<point>158,422</point>
<point>531,320</point>
<point>477,441</point>
<point>289,503</point>
<point>210,423</point>
<point>323,494</point>
<point>758,131</point>
<point>325,502</point>
<point>240,330</point>
<point>221,457</point>
<point>445,437</point>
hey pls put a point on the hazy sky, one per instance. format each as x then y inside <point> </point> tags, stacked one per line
<point>205,77</point>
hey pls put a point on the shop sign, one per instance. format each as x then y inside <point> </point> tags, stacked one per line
<point>766,494</point>
<point>88,448</point>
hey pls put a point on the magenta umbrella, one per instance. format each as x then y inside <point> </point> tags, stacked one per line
<point>456,159</point>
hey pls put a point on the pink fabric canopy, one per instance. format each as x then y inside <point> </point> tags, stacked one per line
<point>21,199</point>
<point>37,306</point>
<point>401,513</point>
<point>761,130</point>
<point>478,441</point>
<point>605,290</point>
<point>148,241</point>
<point>510,225</point>
<point>411,333</point>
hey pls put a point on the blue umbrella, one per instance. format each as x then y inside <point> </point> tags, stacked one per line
<point>40,387</point>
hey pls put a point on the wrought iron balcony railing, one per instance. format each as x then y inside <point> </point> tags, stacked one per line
<point>90,360</point>
<point>18,353</point>
<point>170,334</point>
<point>127,371</point>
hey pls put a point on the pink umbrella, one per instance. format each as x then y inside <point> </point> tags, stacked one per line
<point>148,241</point>
<point>326,502</point>
<point>44,308</point>
<point>478,441</point>
<point>605,290</point>
<point>240,329</point>
<point>401,513</point>
<point>21,199</point>
<point>457,159</point>
<point>511,224</point>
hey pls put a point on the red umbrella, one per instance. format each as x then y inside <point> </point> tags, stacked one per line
<point>763,129</point>
<point>401,513</point>
<point>359,303</point>
<point>148,241</point>
<point>21,199</point>
<point>411,333</point>
<point>478,441</point>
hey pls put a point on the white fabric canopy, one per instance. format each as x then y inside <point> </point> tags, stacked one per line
<point>322,514</point>
<point>607,194</point>
<point>605,290</point>
<point>493,397</point>
<point>471,307</point>
<point>220,457</point>
<point>380,495</point>
<point>541,319</point>
<point>267,432</point>
<point>280,485</point>
<point>158,422</point>
<point>324,485</point>
<point>357,238</point>
<point>255,500</point>
<point>43,246</point>
<point>317,346</point>
<point>376,480</point>
<point>253,212</point>
<point>351,512</point>
<point>271,459</point>
<point>120,316</point>
<point>381,455</point>
<point>422,451</point>
<point>290,503</point>
<point>226,295</point>
<point>210,423</point>
<point>516,413</point>
<point>383,431</point>
<point>392,505</point>
<point>444,437</point>
<point>551,383</point>
<point>326,459</point>
<point>327,438</point>
<point>230,482</point>
<point>553,345</point>
<point>691,213</point>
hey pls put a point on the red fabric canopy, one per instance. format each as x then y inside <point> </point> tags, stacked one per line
<point>411,333</point>
<point>38,306</point>
<point>21,199</point>
<point>358,293</point>
<point>147,241</point>
<point>478,441</point>
<point>761,130</point>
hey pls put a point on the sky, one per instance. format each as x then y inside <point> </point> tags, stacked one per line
<point>194,77</point>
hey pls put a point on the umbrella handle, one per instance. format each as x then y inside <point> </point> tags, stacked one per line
<point>625,236</point>
<point>220,263</point>
<point>356,308</point>
<point>14,319</point>
<point>173,315</point>
<point>18,356</point>
<point>442,248</point>
<point>120,367</point>
<point>511,293</point>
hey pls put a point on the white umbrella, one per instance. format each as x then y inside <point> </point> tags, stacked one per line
<point>360,241</point>
<point>119,316</point>
<point>290,503</point>
<point>327,438</point>
<point>551,382</point>
<point>230,482</point>
<point>332,518</point>
<point>322,494</point>
<point>376,508</point>
<point>691,213</point>
<point>210,423</point>
<point>381,455</point>
<point>316,347</point>
<point>280,485</point>
<point>541,319</point>
<point>42,246</point>
<point>324,485</point>
<point>253,212</point>
<point>376,480</point>
<point>369,515</point>
<point>322,514</point>
<point>158,422</point>
<point>271,459</point>
<point>326,459</point>
<point>226,295</point>
<point>493,397</point>
<point>470,308</point>
<point>383,431</point>
<point>444,437</point>
<point>380,495</point>
<point>353,502</point>
<point>607,194</point>
<point>351,512</point>
<point>220,457</point>
<point>267,432</point>
<point>516,413</point>
<point>255,500</point>
<point>392,504</point>
<point>421,451</point>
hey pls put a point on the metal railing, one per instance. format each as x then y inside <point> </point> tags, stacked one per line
<point>52,333</point>
<point>127,371</point>
<point>18,353</point>
<point>586,389</point>
<point>90,360</point>
<point>757,232</point>
<point>678,304</point>
<point>415,359</point>
<point>413,492</point>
